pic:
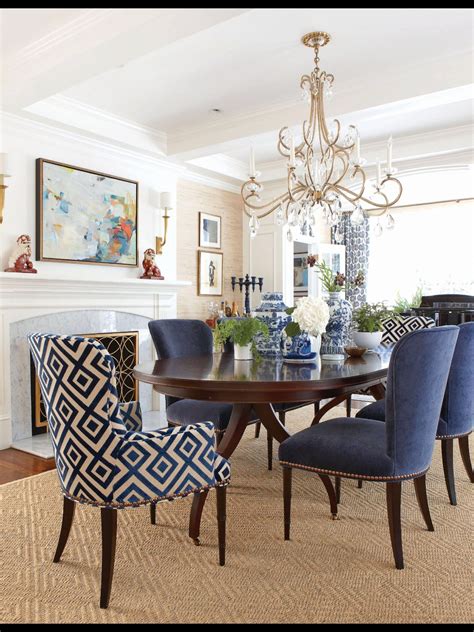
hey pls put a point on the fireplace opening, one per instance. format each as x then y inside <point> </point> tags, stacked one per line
<point>123,347</point>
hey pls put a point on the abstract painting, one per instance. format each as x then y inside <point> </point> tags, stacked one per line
<point>210,278</point>
<point>209,230</point>
<point>84,216</point>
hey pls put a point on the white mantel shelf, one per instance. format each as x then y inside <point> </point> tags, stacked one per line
<point>42,283</point>
<point>28,299</point>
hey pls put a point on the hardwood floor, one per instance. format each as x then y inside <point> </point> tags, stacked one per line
<point>15,464</point>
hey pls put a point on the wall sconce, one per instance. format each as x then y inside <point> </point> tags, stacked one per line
<point>165,203</point>
<point>3,186</point>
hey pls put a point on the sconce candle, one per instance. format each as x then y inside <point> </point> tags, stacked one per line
<point>3,174</point>
<point>165,204</point>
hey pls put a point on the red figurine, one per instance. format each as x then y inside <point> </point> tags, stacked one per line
<point>19,260</point>
<point>150,270</point>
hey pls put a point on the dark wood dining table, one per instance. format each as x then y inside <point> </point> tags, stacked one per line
<point>255,386</point>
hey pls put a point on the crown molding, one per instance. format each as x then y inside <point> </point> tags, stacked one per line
<point>214,182</point>
<point>27,125</point>
<point>68,111</point>
<point>58,37</point>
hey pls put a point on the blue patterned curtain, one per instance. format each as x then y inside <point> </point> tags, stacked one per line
<point>356,240</point>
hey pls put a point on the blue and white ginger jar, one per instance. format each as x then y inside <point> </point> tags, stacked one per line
<point>271,312</point>
<point>337,334</point>
<point>300,348</point>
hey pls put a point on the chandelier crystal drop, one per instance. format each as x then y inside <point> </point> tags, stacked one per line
<point>325,166</point>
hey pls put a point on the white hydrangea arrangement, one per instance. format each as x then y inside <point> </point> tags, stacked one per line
<point>310,315</point>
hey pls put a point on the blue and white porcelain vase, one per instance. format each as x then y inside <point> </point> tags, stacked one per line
<point>271,312</point>
<point>337,334</point>
<point>300,348</point>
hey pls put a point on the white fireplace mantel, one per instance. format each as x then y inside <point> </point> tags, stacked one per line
<point>24,296</point>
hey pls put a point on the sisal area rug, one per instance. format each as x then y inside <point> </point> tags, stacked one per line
<point>330,572</point>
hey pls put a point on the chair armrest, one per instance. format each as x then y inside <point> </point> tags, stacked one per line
<point>131,414</point>
<point>166,463</point>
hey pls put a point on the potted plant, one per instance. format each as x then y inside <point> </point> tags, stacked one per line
<point>403,306</point>
<point>368,321</point>
<point>301,338</point>
<point>240,331</point>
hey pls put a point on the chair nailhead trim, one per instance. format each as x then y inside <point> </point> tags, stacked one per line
<point>350,475</point>
<point>140,503</point>
<point>454,436</point>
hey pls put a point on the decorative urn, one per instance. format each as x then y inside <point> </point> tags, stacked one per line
<point>337,334</point>
<point>272,312</point>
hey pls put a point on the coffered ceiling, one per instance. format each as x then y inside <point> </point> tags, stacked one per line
<point>165,71</point>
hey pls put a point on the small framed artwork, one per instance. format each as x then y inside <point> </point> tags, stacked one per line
<point>210,273</point>
<point>84,216</point>
<point>209,231</point>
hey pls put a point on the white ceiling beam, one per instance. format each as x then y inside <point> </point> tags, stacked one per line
<point>98,41</point>
<point>408,83</point>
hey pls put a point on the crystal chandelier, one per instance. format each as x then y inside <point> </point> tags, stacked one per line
<point>318,166</point>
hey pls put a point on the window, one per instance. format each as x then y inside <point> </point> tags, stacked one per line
<point>430,246</point>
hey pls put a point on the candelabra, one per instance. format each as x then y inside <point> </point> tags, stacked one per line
<point>247,283</point>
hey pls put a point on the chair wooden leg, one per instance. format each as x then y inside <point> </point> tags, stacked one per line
<point>287,475</point>
<point>348,405</point>
<point>448,467</point>
<point>153,513</point>
<point>359,484</point>
<point>421,497</point>
<point>199,501</point>
<point>221,518</point>
<point>466,457</point>
<point>269,451</point>
<point>109,539</point>
<point>331,494</point>
<point>69,507</point>
<point>337,480</point>
<point>394,499</point>
<point>258,425</point>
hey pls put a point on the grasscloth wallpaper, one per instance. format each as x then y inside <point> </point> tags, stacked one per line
<point>192,198</point>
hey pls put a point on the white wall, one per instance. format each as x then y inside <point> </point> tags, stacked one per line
<point>25,140</point>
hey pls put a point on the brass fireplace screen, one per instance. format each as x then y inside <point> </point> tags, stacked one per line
<point>123,347</point>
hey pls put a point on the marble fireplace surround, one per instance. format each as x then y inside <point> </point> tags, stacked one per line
<point>30,303</point>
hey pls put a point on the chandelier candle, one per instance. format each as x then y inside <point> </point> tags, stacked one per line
<point>330,171</point>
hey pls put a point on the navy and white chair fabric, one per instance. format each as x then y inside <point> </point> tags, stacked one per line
<point>102,457</point>
<point>399,450</point>
<point>457,414</point>
<point>395,328</point>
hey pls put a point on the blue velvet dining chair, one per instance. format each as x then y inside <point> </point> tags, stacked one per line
<point>457,413</point>
<point>399,450</point>
<point>176,338</point>
<point>102,457</point>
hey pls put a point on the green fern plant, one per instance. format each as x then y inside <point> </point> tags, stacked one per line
<point>240,331</point>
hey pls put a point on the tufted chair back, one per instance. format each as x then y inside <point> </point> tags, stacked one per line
<point>416,381</point>
<point>457,413</point>
<point>77,380</point>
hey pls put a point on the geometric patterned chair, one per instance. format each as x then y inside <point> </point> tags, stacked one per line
<point>102,458</point>
<point>400,449</point>
<point>395,328</point>
<point>457,413</point>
